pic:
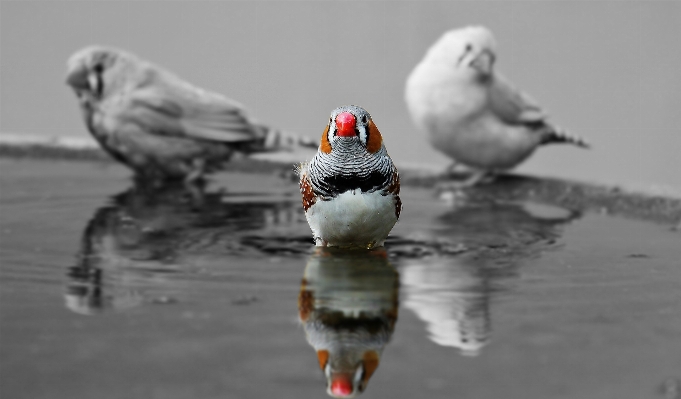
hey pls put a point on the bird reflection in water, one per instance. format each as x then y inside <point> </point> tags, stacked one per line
<point>452,294</point>
<point>145,234</point>
<point>348,308</point>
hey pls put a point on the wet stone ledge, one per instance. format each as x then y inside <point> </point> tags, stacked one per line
<point>572,195</point>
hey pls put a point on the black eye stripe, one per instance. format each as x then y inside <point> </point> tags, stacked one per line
<point>99,70</point>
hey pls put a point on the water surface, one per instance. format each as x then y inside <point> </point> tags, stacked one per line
<point>112,290</point>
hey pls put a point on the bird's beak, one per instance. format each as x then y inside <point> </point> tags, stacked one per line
<point>78,78</point>
<point>483,62</point>
<point>345,125</point>
<point>341,385</point>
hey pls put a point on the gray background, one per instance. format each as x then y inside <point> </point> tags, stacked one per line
<point>607,70</point>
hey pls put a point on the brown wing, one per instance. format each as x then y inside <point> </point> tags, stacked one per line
<point>513,106</point>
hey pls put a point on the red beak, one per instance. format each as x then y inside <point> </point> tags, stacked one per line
<point>345,124</point>
<point>341,385</point>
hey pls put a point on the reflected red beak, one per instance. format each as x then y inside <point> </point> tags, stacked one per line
<point>341,385</point>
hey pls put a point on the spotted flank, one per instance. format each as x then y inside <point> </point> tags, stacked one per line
<point>394,190</point>
<point>309,197</point>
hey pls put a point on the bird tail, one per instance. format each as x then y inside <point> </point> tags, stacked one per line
<point>560,135</point>
<point>281,147</point>
<point>279,140</point>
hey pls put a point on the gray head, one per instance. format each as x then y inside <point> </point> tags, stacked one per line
<point>96,70</point>
<point>351,155</point>
<point>470,48</point>
<point>351,126</point>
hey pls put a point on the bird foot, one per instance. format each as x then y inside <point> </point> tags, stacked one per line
<point>455,168</point>
<point>196,174</point>
<point>472,180</point>
<point>454,171</point>
<point>196,190</point>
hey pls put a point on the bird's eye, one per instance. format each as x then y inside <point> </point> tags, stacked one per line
<point>469,47</point>
<point>364,119</point>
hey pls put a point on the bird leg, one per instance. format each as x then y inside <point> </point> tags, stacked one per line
<point>474,178</point>
<point>451,169</point>
<point>197,171</point>
<point>196,191</point>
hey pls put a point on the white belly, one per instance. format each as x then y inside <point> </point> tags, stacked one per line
<point>352,219</point>
<point>486,142</point>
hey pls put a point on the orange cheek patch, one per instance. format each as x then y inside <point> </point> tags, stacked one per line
<point>323,357</point>
<point>375,138</point>
<point>370,360</point>
<point>325,146</point>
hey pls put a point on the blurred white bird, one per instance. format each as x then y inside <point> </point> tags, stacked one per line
<point>472,113</point>
<point>159,125</point>
<point>452,296</point>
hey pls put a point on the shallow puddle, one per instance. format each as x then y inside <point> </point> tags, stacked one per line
<point>115,291</point>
